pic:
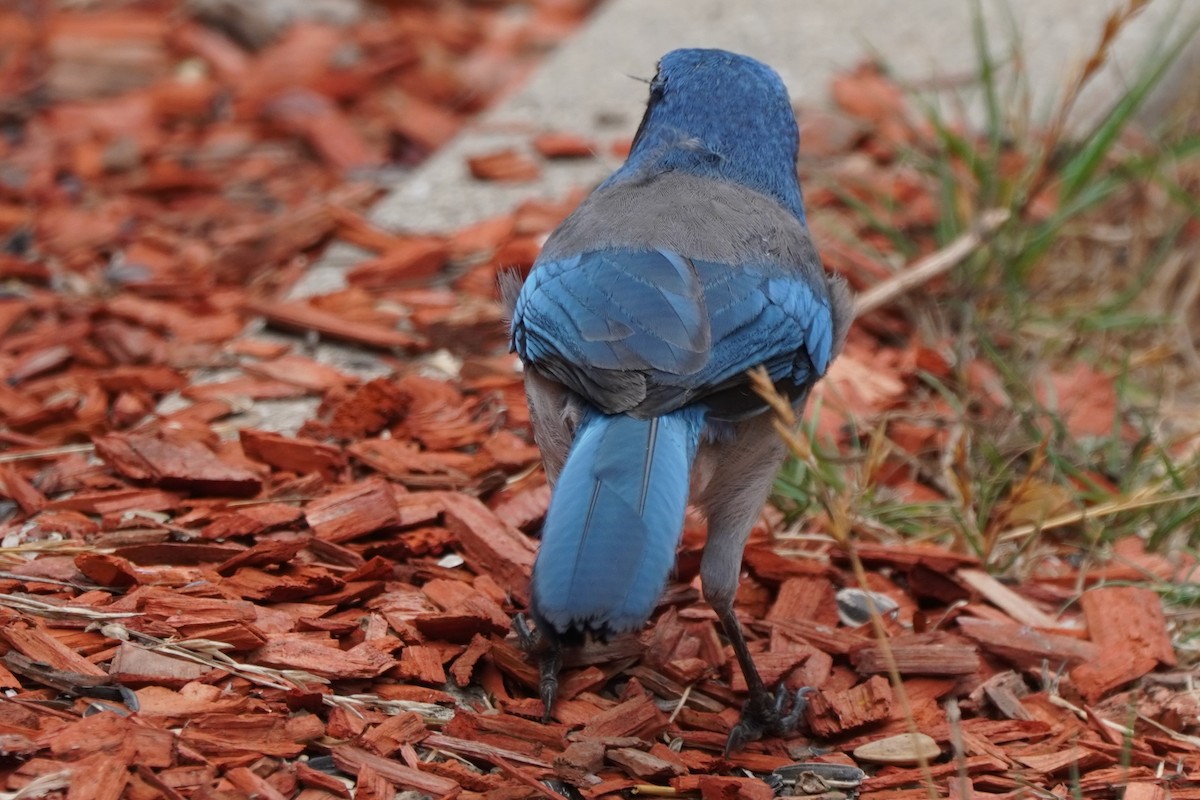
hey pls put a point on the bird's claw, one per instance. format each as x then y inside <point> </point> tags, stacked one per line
<point>778,714</point>
<point>549,657</point>
<point>528,638</point>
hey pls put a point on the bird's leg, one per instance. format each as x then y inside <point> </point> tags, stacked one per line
<point>765,711</point>
<point>548,652</point>
<point>746,464</point>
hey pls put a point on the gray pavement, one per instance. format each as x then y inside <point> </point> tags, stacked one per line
<point>585,87</point>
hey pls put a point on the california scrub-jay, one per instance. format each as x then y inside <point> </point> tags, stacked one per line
<point>687,267</point>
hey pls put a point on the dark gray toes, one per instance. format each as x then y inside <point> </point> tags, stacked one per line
<point>778,714</point>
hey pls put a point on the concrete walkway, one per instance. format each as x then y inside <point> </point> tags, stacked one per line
<point>585,87</point>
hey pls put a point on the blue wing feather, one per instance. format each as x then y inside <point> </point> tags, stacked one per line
<point>685,326</point>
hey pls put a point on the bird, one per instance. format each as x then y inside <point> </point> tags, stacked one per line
<point>637,325</point>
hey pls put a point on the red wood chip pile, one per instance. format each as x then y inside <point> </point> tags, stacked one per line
<point>189,613</point>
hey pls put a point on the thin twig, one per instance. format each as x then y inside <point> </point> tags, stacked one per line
<point>932,265</point>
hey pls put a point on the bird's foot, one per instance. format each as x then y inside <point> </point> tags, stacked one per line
<point>778,714</point>
<point>548,653</point>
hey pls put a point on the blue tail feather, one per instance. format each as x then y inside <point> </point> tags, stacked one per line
<point>614,522</point>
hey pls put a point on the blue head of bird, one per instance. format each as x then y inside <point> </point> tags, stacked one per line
<point>719,115</point>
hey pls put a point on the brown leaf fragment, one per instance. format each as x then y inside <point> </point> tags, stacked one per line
<point>175,465</point>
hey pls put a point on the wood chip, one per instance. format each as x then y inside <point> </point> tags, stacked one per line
<point>833,713</point>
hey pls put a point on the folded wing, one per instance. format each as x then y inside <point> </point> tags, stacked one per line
<point>645,332</point>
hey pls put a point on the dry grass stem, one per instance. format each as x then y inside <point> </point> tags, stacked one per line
<point>1146,497</point>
